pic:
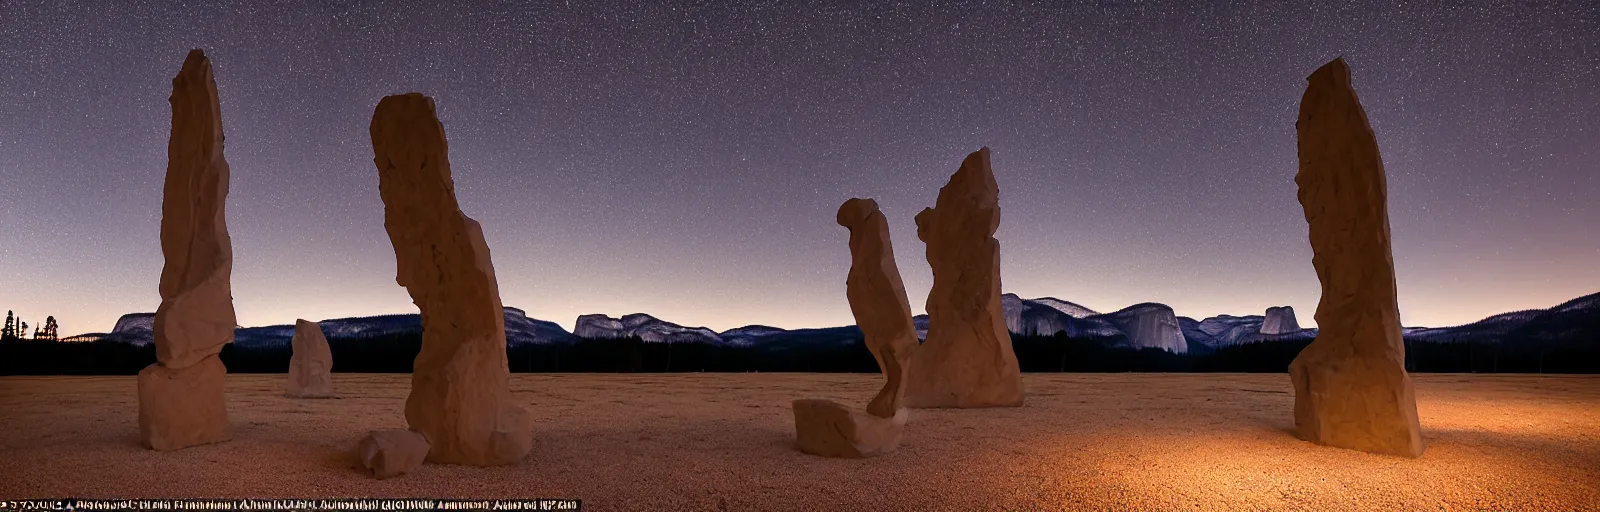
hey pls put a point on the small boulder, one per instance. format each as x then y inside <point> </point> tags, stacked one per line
<point>389,453</point>
<point>831,429</point>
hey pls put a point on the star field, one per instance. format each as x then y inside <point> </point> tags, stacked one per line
<point>685,159</point>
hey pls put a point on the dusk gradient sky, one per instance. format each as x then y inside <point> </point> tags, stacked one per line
<point>685,159</point>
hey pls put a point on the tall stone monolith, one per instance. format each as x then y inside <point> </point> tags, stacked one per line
<point>1351,389</point>
<point>181,401</point>
<point>878,300</point>
<point>310,363</point>
<point>966,360</point>
<point>460,396</point>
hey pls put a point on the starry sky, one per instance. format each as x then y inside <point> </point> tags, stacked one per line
<point>685,159</point>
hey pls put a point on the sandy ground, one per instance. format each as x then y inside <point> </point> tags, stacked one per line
<point>724,442</point>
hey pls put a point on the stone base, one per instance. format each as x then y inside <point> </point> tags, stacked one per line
<point>829,429</point>
<point>926,390</point>
<point>390,453</point>
<point>942,377</point>
<point>512,438</point>
<point>505,442</point>
<point>182,408</point>
<point>312,386</point>
<point>1347,401</point>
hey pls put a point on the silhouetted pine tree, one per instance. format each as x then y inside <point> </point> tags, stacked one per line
<point>51,329</point>
<point>11,326</point>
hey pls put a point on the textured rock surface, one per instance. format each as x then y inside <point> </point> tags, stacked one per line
<point>966,360</point>
<point>183,407</point>
<point>598,326</point>
<point>311,365</point>
<point>645,327</point>
<point>1351,387</point>
<point>389,453</point>
<point>1029,318</point>
<point>459,394</point>
<point>829,429</point>
<point>1150,325</point>
<point>1280,320</point>
<point>1071,309</point>
<point>196,316</point>
<point>1048,316</point>
<point>520,329</point>
<point>135,322</point>
<point>1226,330</point>
<point>180,397</point>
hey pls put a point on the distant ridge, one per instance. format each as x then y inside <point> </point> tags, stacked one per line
<point>1147,325</point>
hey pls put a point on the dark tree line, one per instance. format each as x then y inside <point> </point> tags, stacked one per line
<point>394,353</point>
<point>17,328</point>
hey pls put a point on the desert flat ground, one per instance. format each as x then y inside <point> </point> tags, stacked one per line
<point>724,442</point>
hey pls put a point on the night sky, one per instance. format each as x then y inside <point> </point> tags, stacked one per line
<point>686,159</point>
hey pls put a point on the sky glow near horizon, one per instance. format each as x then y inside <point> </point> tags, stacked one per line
<point>686,160</point>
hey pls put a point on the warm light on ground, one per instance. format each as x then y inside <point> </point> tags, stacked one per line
<point>704,441</point>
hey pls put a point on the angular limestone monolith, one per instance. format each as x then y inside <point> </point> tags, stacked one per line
<point>310,364</point>
<point>460,397</point>
<point>966,360</point>
<point>1351,389</point>
<point>180,396</point>
<point>878,301</point>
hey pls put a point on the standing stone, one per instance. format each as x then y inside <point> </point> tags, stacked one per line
<point>878,301</point>
<point>311,365</point>
<point>1351,389</point>
<point>460,396</point>
<point>966,360</point>
<point>181,400</point>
